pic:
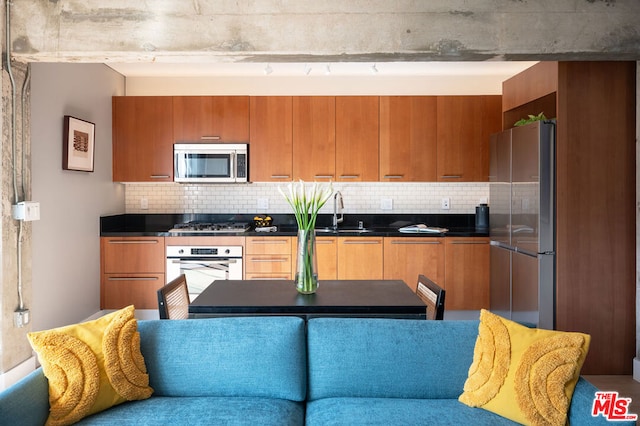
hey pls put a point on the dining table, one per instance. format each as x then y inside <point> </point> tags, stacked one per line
<point>333,298</point>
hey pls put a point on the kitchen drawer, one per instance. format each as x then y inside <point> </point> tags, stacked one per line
<point>139,290</point>
<point>268,245</point>
<point>273,264</point>
<point>132,254</point>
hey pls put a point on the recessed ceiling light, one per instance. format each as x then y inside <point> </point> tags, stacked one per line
<point>268,70</point>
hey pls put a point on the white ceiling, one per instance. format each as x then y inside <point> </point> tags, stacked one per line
<point>499,69</point>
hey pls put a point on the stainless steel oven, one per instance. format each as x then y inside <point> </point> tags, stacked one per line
<point>204,264</point>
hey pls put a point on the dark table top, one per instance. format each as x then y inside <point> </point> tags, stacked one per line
<point>334,297</point>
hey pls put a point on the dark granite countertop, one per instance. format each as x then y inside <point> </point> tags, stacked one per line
<point>158,225</point>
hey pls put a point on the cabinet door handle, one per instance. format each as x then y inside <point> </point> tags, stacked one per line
<point>280,176</point>
<point>133,241</point>
<point>470,242</point>
<point>360,242</point>
<point>210,138</point>
<point>160,176</point>
<point>323,176</point>
<point>414,242</point>
<point>269,260</point>
<point>331,241</point>
<point>269,241</point>
<point>393,176</point>
<point>132,278</point>
<point>451,176</point>
<point>349,176</point>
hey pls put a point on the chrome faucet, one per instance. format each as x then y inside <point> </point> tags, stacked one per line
<point>337,204</point>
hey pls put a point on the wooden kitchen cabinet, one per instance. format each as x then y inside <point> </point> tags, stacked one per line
<point>209,119</point>
<point>360,258</point>
<point>466,273</point>
<point>407,257</point>
<point>142,138</point>
<point>268,258</point>
<point>327,257</point>
<point>357,138</point>
<point>314,138</point>
<point>408,139</point>
<point>464,124</point>
<point>271,138</point>
<point>132,271</point>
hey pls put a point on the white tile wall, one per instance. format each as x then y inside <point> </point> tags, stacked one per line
<point>358,197</point>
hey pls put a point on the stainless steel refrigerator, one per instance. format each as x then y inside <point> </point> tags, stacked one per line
<point>522,223</point>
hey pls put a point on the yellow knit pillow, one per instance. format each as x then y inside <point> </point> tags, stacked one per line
<point>524,374</point>
<point>92,366</point>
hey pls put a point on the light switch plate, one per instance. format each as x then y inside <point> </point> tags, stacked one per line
<point>386,204</point>
<point>446,203</point>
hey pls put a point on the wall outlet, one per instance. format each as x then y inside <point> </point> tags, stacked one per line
<point>446,203</point>
<point>263,204</point>
<point>26,210</point>
<point>21,318</point>
<point>386,204</point>
<point>144,203</point>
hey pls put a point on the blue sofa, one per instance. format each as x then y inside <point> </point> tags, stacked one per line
<point>281,371</point>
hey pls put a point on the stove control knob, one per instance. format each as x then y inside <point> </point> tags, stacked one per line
<point>227,251</point>
<point>181,251</point>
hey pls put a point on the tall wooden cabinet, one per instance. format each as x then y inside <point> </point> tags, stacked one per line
<point>594,103</point>
<point>464,125</point>
<point>314,138</point>
<point>271,136</point>
<point>142,138</point>
<point>408,144</point>
<point>357,138</point>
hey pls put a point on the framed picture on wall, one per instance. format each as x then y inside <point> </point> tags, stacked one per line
<point>78,144</point>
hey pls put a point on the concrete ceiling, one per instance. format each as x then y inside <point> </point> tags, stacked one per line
<point>500,69</point>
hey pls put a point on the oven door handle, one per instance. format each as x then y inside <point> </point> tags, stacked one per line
<point>204,262</point>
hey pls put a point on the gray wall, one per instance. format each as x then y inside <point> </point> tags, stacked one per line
<point>65,249</point>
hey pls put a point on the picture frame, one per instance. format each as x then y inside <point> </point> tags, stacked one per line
<point>78,144</point>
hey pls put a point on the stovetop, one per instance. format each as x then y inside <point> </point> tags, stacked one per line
<point>204,227</point>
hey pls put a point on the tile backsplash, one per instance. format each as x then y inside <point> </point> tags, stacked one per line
<point>264,197</point>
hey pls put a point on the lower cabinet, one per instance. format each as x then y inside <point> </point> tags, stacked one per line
<point>466,273</point>
<point>132,271</point>
<point>139,290</point>
<point>360,258</point>
<point>268,258</point>
<point>327,257</point>
<point>407,257</point>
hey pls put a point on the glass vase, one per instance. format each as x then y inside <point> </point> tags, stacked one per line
<point>306,267</point>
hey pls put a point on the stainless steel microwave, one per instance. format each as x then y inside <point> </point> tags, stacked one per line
<point>211,163</point>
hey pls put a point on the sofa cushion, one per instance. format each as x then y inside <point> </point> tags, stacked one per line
<point>394,411</point>
<point>251,357</point>
<point>202,411</point>
<point>525,374</point>
<point>356,357</point>
<point>92,366</point>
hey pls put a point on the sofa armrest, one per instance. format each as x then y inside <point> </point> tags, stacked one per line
<point>582,406</point>
<point>26,402</point>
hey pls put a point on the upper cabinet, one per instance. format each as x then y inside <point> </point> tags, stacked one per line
<point>464,125</point>
<point>408,138</point>
<point>314,138</point>
<point>211,119</point>
<point>357,138</point>
<point>271,138</point>
<point>142,139</point>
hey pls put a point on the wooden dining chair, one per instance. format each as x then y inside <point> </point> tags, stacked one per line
<point>173,299</point>
<point>433,296</point>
